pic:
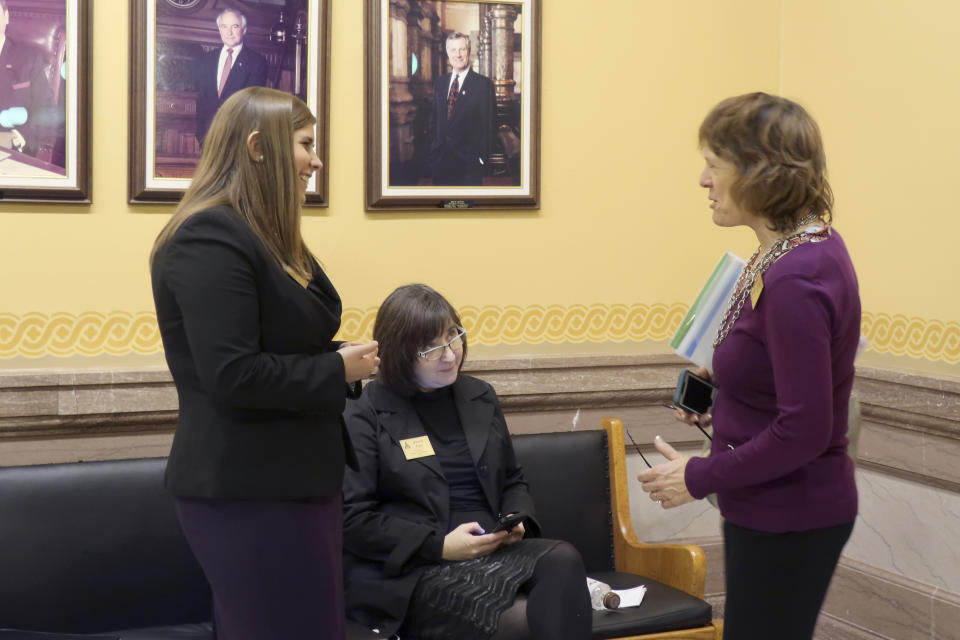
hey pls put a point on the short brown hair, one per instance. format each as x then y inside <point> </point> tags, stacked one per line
<point>407,321</point>
<point>777,149</point>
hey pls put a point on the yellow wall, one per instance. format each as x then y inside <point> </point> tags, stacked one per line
<point>880,77</point>
<point>623,238</point>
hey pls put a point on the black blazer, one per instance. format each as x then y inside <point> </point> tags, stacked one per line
<point>261,386</point>
<point>396,510</point>
<point>461,146</point>
<point>248,70</point>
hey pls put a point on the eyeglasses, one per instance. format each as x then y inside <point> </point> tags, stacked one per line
<point>435,353</point>
<point>643,457</point>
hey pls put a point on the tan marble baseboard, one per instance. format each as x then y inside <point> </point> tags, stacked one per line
<point>911,425</point>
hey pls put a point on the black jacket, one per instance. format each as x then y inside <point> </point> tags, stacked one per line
<point>460,146</point>
<point>248,70</point>
<point>261,387</point>
<point>396,510</point>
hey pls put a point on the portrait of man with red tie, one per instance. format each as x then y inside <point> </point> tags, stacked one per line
<point>222,72</point>
<point>462,120</point>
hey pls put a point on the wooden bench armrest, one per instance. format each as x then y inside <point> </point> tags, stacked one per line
<point>682,566</point>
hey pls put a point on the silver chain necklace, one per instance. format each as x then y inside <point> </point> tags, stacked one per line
<point>755,269</point>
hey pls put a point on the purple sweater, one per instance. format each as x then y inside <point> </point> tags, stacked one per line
<point>779,457</point>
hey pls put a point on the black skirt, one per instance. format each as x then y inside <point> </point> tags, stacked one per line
<point>465,599</point>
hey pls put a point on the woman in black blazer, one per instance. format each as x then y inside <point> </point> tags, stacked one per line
<point>436,471</point>
<point>247,318</point>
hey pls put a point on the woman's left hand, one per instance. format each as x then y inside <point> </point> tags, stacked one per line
<point>665,482</point>
<point>516,534</point>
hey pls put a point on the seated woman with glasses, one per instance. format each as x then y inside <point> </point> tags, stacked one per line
<point>423,556</point>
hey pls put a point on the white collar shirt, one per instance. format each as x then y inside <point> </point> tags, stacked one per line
<point>223,58</point>
<point>460,78</point>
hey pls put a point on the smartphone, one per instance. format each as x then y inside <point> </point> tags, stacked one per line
<point>694,394</point>
<point>509,521</point>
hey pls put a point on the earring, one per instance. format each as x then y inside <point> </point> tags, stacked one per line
<point>260,159</point>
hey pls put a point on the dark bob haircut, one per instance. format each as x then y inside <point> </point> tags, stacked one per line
<point>778,152</point>
<point>408,320</point>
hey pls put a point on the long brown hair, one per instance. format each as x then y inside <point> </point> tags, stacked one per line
<point>263,190</point>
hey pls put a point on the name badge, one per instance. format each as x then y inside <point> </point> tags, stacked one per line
<point>756,290</point>
<point>414,448</point>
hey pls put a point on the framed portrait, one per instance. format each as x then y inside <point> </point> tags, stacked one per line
<point>188,56</point>
<point>452,104</point>
<point>45,100</point>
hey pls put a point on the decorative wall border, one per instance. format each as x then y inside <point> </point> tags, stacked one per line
<point>90,333</point>
<point>916,337</point>
<point>537,324</point>
<point>120,333</point>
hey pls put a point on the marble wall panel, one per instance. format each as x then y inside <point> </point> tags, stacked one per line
<point>115,398</point>
<point>33,401</point>
<point>571,375</point>
<point>946,616</point>
<point>941,457</point>
<point>832,628</point>
<point>893,609</point>
<point>643,423</point>
<point>114,447</point>
<point>891,446</point>
<point>912,393</point>
<point>908,529</point>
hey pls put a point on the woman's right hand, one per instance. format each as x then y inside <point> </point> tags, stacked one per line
<point>359,359</point>
<point>469,541</point>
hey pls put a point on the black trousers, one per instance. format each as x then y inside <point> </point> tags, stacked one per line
<point>776,582</point>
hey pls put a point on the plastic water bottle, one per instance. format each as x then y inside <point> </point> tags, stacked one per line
<point>601,595</point>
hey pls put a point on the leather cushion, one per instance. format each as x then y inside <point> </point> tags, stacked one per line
<point>663,609</point>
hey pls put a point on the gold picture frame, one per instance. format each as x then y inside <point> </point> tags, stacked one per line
<point>427,150</point>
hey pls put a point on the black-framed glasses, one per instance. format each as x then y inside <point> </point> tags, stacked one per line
<point>435,353</point>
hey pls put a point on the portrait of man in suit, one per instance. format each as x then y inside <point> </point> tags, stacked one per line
<point>25,94</point>
<point>462,120</point>
<point>460,115</point>
<point>222,72</point>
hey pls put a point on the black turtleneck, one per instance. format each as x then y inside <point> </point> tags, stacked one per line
<point>439,414</point>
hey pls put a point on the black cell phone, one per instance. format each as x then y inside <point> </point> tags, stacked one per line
<point>509,521</point>
<point>694,394</point>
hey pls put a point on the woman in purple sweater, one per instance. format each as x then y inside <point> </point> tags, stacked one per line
<point>783,362</point>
